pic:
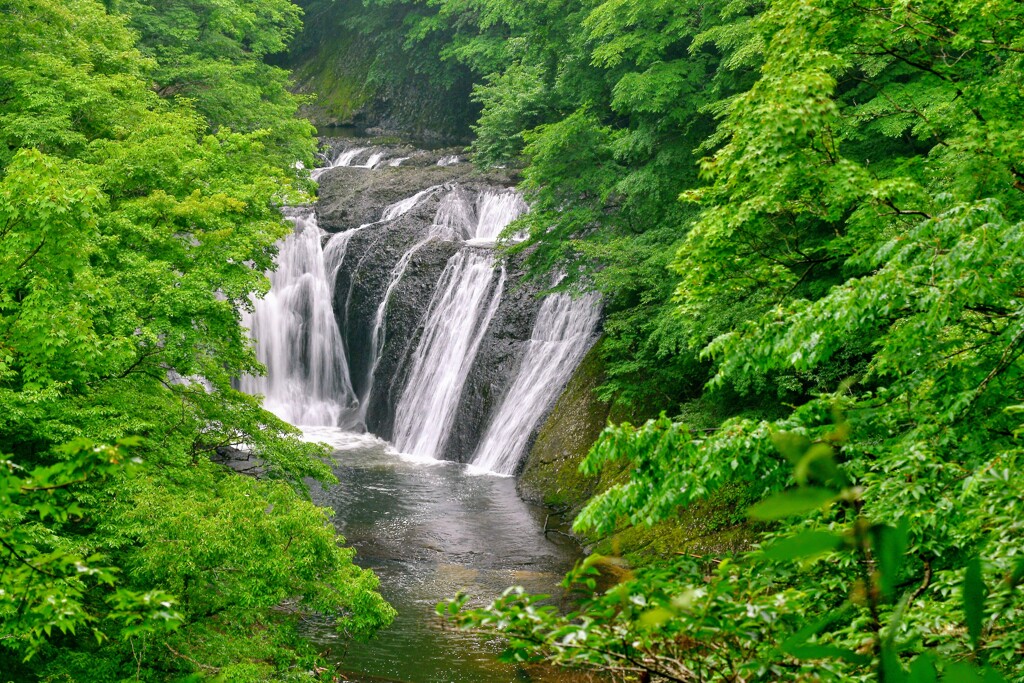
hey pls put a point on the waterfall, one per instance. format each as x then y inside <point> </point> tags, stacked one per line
<point>443,363</point>
<point>452,219</point>
<point>345,158</point>
<point>390,213</point>
<point>560,338</point>
<point>297,337</point>
<point>495,210</point>
<point>456,216</point>
<point>335,252</point>
<point>479,223</point>
<point>373,161</point>
<point>458,316</point>
<point>406,205</point>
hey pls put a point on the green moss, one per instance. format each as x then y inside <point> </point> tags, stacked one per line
<point>551,476</point>
<point>713,527</point>
<point>335,79</point>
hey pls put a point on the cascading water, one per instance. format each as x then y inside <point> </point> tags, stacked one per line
<point>379,329</point>
<point>462,308</point>
<point>561,336</point>
<point>495,210</point>
<point>391,212</point>
<point>336,250</point>
<point>456,320</point>
<point>456,217</point>
<point>347,158</point>
<point>303,347</point>
<point>373,161</point>
<point>297,336</point>
<point>450,219</point>
<point>406,205</point>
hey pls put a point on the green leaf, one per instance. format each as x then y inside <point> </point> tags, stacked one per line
<point>891,666</point>
<point>992,676</point>
<point>791,445</point>
<point>798,501</point>
<point>1017,576</point>
<point>804,545</point>
<point>820,460</point>
<point>974,595</point>
<point>890,550</point>
<point>655,618</point>
<point>797,645</point>
<point>812,651</point>
<point>922,670</point>
<point>959,672</point>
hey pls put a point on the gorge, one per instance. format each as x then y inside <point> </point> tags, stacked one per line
<point>396,332</point>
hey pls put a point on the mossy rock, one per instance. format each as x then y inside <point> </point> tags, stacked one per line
<point>551,473</point>
<point>713,527</point>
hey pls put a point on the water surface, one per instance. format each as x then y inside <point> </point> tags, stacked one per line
<point>430,529</point>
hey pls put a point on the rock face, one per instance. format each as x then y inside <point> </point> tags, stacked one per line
<point>389,273</point>
<point>550,474</point>
<point>350,197</point>
<point>364,78</point>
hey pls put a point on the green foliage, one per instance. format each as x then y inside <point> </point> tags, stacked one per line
<point>835,188</point>
<point>47,578</point>
<point>134,229</point>
<point>213,54</point>
<point>752,615</point>
<point>513,101</point>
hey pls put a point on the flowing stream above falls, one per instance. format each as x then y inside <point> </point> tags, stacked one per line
<point>394,331</point>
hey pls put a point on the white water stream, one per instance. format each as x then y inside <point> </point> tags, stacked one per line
<point>344,159</point>
<point>297,336</point>
<point>495,210</point>
<point>561,336</point>
<point>459,313</point>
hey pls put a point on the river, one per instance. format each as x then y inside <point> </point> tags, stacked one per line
<point>430,529</point>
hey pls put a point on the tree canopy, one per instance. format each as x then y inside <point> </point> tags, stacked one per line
<point>805,217</point>
<point>135,225</point>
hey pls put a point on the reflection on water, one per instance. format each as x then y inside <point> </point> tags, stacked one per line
<point>430,529</point>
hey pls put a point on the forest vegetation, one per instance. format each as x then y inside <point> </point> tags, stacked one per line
<point>145,152</point>
<point>805,218</point>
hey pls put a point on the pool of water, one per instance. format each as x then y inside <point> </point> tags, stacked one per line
<point>431,529</point>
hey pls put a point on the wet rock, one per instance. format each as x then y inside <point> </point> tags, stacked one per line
<point>404,321</point>
<point>550,473</point>
<point>501,351</point>
<point>350,196</point>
